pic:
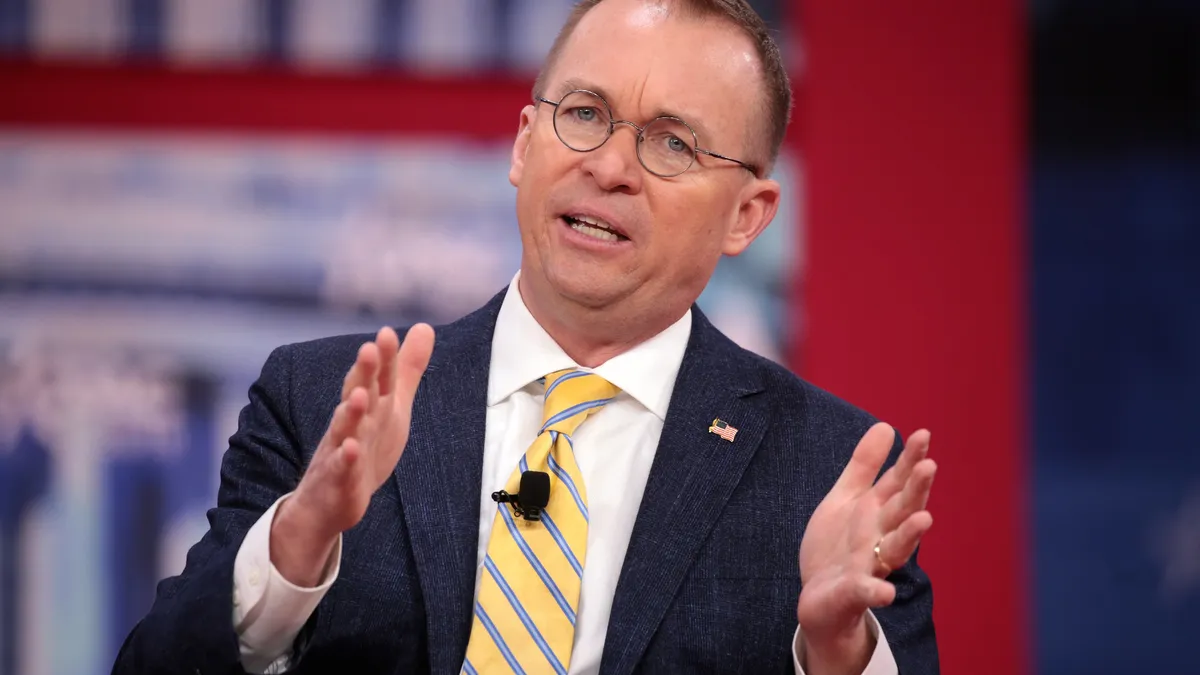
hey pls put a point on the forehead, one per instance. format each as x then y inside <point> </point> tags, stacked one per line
<point>651,59</point>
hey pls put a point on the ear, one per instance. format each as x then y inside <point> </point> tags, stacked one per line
<point>521,145</point>
<point>757,206</point>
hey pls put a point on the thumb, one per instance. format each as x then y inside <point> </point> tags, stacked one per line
<point>867,460</point>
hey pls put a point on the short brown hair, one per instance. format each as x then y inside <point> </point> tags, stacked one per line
<point>778,91</point>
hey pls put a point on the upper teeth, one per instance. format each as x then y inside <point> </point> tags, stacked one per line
<point>592,221</point>
<point>593,227</point>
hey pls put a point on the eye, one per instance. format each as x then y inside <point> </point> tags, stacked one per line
<point>676,144</point>
<point>584,114</point>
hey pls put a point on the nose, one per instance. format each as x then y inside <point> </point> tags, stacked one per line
<point>615,165</point>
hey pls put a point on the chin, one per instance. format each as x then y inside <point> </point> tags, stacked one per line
<point>593,289</point>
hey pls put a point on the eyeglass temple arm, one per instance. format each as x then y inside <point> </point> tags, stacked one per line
<point>749,167</point>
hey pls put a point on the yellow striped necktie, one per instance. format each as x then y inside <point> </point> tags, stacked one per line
<point>529,590</point>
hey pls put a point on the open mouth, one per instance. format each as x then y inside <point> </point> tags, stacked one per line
<point>594,228</point>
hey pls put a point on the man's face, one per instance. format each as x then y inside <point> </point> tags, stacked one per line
<point>670,232</point>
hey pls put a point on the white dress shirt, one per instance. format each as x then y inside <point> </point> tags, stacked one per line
<point>613,448</point>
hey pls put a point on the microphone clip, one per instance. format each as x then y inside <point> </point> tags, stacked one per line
<point>526,511</point>
<point>533,497</point>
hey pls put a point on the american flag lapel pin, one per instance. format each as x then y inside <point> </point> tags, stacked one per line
<point>723,429</point>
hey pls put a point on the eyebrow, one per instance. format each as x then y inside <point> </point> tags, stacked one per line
<point>694,122</point>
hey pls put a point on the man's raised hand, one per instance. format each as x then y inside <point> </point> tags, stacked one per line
<point>842,574</point>
<point>358,453</point>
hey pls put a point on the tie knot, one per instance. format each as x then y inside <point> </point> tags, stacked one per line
<point>572,395</point>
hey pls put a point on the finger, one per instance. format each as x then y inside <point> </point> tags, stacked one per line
<point>372,378</point>
<point>874,592</point>
<point>911,499</point>
<point>349,453</point>
<point>389,345</point>
<point>411,362</point>
<point>899,545</point>
<point>364,368</point>
<point>896,477</point>
<point>915,449</point>
<point>867,460</point>
<point>347,416</point>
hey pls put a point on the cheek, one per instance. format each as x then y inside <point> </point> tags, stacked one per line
<point>534,187</point>
<point>545,155</point>
<point>540,173</point>
<point>694,229</point>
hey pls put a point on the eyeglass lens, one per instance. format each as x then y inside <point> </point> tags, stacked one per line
<point>666,145</point>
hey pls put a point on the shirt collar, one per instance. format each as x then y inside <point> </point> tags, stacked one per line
<point>523,352</point>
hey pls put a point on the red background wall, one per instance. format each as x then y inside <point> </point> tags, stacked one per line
<point>911,128</point>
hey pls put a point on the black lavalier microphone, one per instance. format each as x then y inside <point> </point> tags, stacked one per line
<point>533,496</point>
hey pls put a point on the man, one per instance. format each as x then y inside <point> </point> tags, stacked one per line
<point>357,526</point>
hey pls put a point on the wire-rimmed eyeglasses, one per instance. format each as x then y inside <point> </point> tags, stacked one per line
<point>667,146</point>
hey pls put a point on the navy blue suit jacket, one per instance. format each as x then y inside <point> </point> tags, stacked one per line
<point>710,580</point>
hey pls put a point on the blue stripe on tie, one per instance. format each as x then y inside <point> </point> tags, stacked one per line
<point>498,639</point>
<point>524,616</point>
<point>566,479</point>
<point>562,543</point>
<point>573,411</point>
<point>469,668</point>
<point>537,565</point>
<point>564,378</point>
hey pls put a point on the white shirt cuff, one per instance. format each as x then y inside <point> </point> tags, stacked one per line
<point>882,662</point>
<point>268,610</point>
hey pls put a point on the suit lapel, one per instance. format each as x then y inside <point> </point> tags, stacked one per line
<point>692,477</point>
<point>439,476</point>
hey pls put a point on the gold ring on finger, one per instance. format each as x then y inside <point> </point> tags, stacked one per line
<point>879,557</point>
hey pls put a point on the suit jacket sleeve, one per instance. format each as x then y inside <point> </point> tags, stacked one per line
<point>908,621</point>
<point>189,629</point>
